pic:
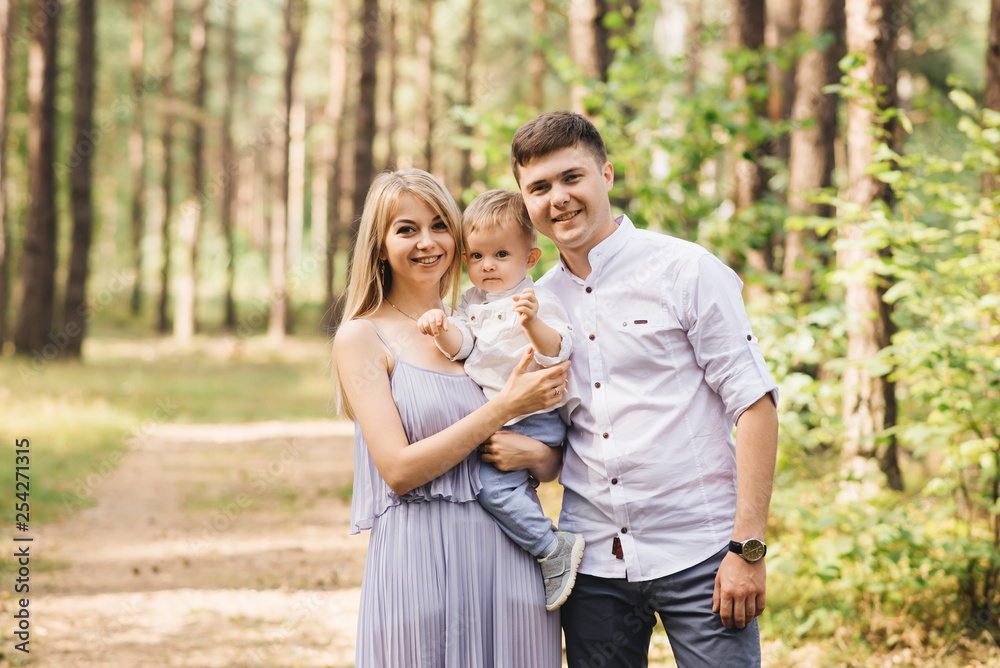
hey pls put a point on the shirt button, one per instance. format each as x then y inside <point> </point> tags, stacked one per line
<point>597,384</point>
<point>591,337</point>
<point>624,529</point>
<point>500,317</point>
<point>473,318</point>
<point>614,481</point>
<point>589,290</point>
<point>605,434</point>
<point>749,338</point>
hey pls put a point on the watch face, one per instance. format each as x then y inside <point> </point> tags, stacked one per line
<point>753,550</point>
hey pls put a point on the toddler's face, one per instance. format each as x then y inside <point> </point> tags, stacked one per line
<point>498,259</point>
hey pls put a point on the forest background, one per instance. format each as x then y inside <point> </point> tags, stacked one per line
<point>181,184</point>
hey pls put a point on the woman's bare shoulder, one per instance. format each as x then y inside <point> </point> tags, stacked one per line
<point>355,336</point>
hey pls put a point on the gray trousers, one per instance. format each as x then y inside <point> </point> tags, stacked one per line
<point>608,622</point>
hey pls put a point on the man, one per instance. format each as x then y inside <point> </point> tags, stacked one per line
<point>666,363</point>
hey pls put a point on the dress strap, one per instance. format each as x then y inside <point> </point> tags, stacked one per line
<point>382,338</point>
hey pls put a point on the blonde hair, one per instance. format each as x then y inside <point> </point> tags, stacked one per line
<point>495,209</point>
<point>370,277</point>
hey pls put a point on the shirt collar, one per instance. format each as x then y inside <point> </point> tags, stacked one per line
<point>600,253</point>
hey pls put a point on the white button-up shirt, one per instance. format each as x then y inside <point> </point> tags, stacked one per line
<point>665,361</point>
<point>493,341</point>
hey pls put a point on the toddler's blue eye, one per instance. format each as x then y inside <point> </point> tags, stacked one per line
<point>502,254</point>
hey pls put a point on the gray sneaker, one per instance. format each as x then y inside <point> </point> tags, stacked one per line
<point>559,568</point>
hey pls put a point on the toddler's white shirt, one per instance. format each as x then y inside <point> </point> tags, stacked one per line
<point>493,341</point>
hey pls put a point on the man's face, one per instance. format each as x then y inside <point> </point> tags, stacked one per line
<point>566,193</point>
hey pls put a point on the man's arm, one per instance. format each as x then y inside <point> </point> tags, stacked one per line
<point>740,585</point>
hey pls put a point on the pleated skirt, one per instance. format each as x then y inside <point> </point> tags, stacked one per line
<point>445,588</point>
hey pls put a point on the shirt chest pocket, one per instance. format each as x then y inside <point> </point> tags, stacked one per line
<point>647,336</point>
<point>495,323</point>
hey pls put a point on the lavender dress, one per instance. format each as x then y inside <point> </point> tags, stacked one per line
<point>443,586</point>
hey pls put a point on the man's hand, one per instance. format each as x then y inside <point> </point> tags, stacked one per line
<point>739,590</point>
<point>526,306</point>
<point>433,322</point>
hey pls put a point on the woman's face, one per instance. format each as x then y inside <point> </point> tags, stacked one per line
<point>418,244</point>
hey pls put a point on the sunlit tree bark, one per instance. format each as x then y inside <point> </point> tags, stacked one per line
<point>278,322</point>
<point>335,105</point>
<point>38,259</point>
<point>749,180</point>
<point>81,181</point>
<point>811,154</point>
<point>869,398</point>
<point>169,48</point>
<point>584,46</point>
<point>782,24</point>
<point>425,84</point>
<point>137,147</point>
<point>392,59</point>
<point>229,165</point>
<point>296,175</point>
<point>539,65</point>
<point>468,82</point>
<point>186,292</point>
<point>991,99</point>
<point>8,10</point>
<point>364,131</point>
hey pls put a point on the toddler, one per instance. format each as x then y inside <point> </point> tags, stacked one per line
<point>495,323</point>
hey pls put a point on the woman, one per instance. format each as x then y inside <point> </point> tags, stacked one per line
<point>443,586</point>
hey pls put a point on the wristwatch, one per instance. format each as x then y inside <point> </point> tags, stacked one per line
<point>752,549</point>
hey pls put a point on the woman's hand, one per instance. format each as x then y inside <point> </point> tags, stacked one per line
<point>513,452</point>
<point>532,391</point>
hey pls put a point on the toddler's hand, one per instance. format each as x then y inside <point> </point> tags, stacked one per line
<point>433,322</point>
<point>526,306</point>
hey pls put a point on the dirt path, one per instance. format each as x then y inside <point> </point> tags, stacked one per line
<point>208,546</point>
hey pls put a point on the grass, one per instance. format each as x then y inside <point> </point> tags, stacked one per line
<point>81,416</point>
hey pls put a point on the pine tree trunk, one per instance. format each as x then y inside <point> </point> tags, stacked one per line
<point>38,261</point>
<point>749,180</point>
<point>80,177</point>
<point>782,24</point>
<point>425,67</point>
<point>279,318</point>
<point>811,155</point>
<point>584,45</point>
<point>137,149</point>
<point>991,99</point>
<point>364,131</point>
<point>186,292</point>
<point>539,65</point>
<point>169,49</point>
<point>230,165</point>
<point>296,176</point>
<point>468,63</point>
<point>869,401</point>
<point>693,35</point>
<point>392,57</point>
<point>8,14</point>
<point>335,105</point>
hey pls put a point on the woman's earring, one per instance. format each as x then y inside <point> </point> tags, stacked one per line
<point>381,272</point>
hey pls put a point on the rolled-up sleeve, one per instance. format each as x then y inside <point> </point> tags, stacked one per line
<point>553,314</point>
<point>460,322</point>
<point>722,339</point>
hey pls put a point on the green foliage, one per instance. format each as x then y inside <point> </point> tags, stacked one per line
<point>917,568</point>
